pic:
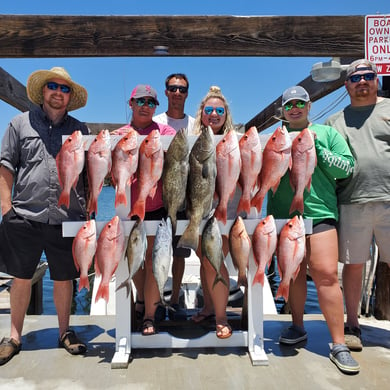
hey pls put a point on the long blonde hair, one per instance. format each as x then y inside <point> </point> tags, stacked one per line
<point>214,92</point>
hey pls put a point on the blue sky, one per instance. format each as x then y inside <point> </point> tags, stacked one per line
<point>249,83</point>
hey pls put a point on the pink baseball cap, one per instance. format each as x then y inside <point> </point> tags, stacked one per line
<point>144,90</point>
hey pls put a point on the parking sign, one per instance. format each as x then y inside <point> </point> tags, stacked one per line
<point>377,42</point>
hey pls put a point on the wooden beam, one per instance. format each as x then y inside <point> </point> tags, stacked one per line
<point>270,115</point>
<point>13,92</point>
<point>23,36</point>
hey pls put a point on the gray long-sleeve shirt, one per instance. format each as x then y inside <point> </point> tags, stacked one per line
<point>29,148</point>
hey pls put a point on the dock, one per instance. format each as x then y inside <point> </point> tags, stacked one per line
<point>42,365</point>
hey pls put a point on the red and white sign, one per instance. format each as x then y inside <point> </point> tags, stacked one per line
<point>377,42</point>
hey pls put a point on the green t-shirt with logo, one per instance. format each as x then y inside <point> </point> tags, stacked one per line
<point>334,161</point>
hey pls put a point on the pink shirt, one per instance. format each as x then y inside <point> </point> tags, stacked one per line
<point>157,202</point>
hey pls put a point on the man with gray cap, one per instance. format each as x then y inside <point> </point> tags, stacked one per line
<point>364,197</point>
<point>29,192</point>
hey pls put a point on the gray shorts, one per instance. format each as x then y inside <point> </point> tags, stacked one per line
<point>23,242</point>
<point>359,223</point>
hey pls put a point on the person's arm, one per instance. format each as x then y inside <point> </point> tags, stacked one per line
<point>6,183</point>
<point>335,158</point>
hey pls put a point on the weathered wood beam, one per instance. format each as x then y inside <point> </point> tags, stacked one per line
<point>23,36</point>
<point>13,92</point>
<point>316,90</point>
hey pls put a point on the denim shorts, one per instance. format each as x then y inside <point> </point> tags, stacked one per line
<point>23,241</point>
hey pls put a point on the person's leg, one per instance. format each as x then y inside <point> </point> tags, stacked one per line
<point>352,288</point>
<point>151,293</point>
<point>20,294</point>
<point>322,255</point>
<point>178,265</point>
<point>62,295</point>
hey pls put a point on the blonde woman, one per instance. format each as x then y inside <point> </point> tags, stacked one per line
<point>214,112</point>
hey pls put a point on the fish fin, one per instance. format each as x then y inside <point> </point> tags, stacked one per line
<point>257,201</point>
<point>138,209</point>
<point>219,278</point>
<point>259,278</point>
<point>84,282</point>
<point>64,199</point>
<point>296,273</point>
<point>297,204</point>
<point>221,213</point>
<point>152,192</point>
<point>97,269</point>
<point>189,238</point>
<point>283,291</point>
<point>92,206</point>
<point>103,292</point>
<point>120,198</point>
<point>308,185</point>
<point>126,284</point>
<point>244,205</point>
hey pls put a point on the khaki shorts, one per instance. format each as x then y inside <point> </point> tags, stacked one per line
<point>358,224</point>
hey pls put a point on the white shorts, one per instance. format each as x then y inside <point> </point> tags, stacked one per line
<point>358,224</point>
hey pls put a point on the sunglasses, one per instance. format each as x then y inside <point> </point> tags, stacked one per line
<point>54,86</point>
<point>142,101</point>
<point>299,104</point>
<point>355,78</point>
<point>208,110</point>
<point>174,88</point>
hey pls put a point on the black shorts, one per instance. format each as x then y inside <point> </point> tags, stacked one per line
<point>324,225</point>
<point>23,242</point>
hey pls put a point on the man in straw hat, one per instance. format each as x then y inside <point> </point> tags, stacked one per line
<point>29,193</point>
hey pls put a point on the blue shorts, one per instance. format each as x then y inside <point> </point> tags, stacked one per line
<point>23,241</point>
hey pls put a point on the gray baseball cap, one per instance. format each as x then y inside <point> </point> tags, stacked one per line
<point>359,65</point>
<point>295,93</point>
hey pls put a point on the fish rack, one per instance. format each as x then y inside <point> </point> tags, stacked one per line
<point>125,339</point>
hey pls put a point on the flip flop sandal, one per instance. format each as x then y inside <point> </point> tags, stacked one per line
<point>147,324</point>
<point>8,349</point>
<point>341,357</point>
<point>71,343</point>
<point>220,328</point>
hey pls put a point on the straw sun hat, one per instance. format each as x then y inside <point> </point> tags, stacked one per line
<point>39,78</point>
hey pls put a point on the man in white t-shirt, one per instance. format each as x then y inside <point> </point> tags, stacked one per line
<point>176,90</point>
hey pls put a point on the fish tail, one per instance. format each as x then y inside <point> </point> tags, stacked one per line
<point>242,280</point>
<point>244,205</point>
<point>297,204</point>
<point>283,291</point>
<point>189,238</point>
<point>102,292</point>
<point>84,282</point>
<point>138,209</point>
<point>120,198</point>
<point>219,278</point>
<point>221,213</point>
<point>126,284</point>
<point>64,199</point>
<point>257,201</point>
<point>92,206</point>
<point>259,278</point>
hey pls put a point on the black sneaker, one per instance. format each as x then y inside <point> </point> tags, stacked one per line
<point>176,313</point>
<point>292,335</point>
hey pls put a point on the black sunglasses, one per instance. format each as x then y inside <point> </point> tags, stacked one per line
<point>355,78</point>
<point>174,88</point>
<point>53,86</point>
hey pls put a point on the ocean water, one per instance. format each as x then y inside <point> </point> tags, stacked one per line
<point>82,299</point>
